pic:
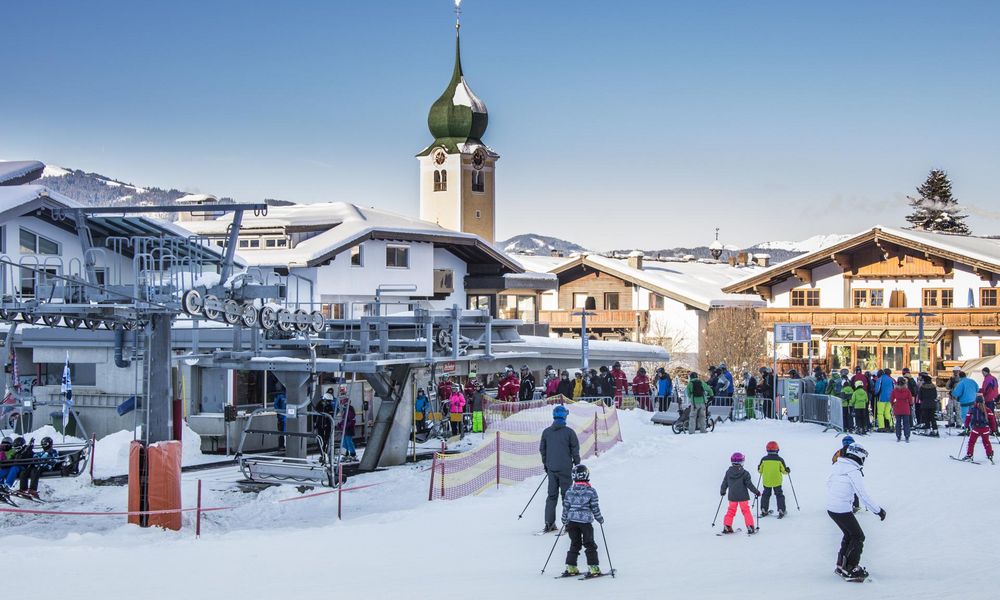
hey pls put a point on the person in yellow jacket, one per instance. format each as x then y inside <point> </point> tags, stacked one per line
<point>578,386</point>
<point>859,401</point>
<point>772,469</point>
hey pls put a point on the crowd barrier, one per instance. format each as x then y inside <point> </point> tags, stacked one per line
<point>823,410</point>
<point>509,454</point>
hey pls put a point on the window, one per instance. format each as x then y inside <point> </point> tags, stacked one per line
<point>255,243</point>
<point>356,259</point>
<point>518,307</point>
<point>610,300</point>
<point>580,300</point>
<point>32,278</point>
<point>441,181</point>
<point>244,243</point>
<point>480,302</point>
<point>988,348</point>
<point>656,302</point>
<point>805,297</point>
<point>270,243</point>
<point>479,214</point>
<point>444,281</point>
<point>868,298</point>
<point>988,297</point>
<point>32,243</point>
<point>397,257</point>
<point>478,181</point>
<point>334,311</point>
<point>799,349</point>
<point>939,297</point>
<point>80,373</point>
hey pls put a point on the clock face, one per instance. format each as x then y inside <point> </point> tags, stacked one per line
<point>439,156</point>
<point>478,159</point>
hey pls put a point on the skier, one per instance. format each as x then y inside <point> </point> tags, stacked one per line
<point>989,390</point>
<point>510,386</point>
<point>641,389</point>
<point>844,393</point>
<point>845,442</point>
<point>771,468</point>
<point>883,409</point>
<point>565,386</point>
<point>456,406</point>
<point>739,484</point>
<point>620,380</point>
<point>859,402</point>
<point>580,510</point>
<point>980,422</point>
<point>664,388</point>
<point>28,485</point>
<point>844,482</point>
<point>859,376</point>
<point>346,426</point>
<point>444,389</point>
<point>766,391</point>
<point>560,450</point>
<point>822,383</point>
<point>929,404</point>
<point>527,390</point>
<point>551,383</point>
<point>605,385</point>
<point>965,393</point>
<point>697,394</point>
<point>726,380</point>
<point>10,455</point>
<point>421,406</point>
<point>579,386</point>
<point>902,408</point>
<point>912,385</point>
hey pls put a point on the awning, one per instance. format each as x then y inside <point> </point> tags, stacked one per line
<point>902,335</point>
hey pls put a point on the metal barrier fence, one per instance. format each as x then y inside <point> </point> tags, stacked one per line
<point>823,410</point>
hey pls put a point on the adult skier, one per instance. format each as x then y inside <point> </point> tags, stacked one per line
<point>989,390</point>
<point>565,386</point>
<point>697,394</point>
<point>965,392</point>
<point>509,387</point>
<point>883,406</point>
<point>664,388</point>
<point>846,480</point>
<point>620,381</point>
<point>641,388</point>
<point>929,403</point>
<point>560,450</point>
<point>527,391</point>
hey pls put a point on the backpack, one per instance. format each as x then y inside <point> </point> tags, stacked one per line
<point>697,391</point>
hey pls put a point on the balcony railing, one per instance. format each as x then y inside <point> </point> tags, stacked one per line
<point>617,319</point>
<point>954,318</point>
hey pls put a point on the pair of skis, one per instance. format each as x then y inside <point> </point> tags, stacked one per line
<point>738,530</point>
<point>585,576</point>
<point>969,460</point>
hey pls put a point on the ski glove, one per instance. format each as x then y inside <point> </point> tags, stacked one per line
<point>601,520</point>
<point>881,515</point>
<point>787,470</point>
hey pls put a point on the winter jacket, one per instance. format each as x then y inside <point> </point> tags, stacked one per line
<point>664,387</point>
<point>422,404</point>
<point>884,387</point>
<point>965,392</point>
<point>620,382</point>
<point>605,385</point>
<point>347,420</point>
<point>580,504</point>
<point>859,399</point>
<point>509,388</point>
<point>565,388</point>
<point>706,392</point>
<point>739,483</point>
<point>456,404</point>
<point>846,481</point>
<point>280,406</point>
<point>766,387</point>
<point>771,468</point>
<point>911,384</point>
<point>821,385</point>
<point>860,377</point>
<point>527,390</point>
<point>51,463</point>
<point>980,421</point>
<point>640,385</point>
<point>928,395</point>
<point>835,386</point>
<point>560,448</point>
<point>989,389</point>
<point>578,389</point>
<point>551,386</point>
<point>727,386</point>
<point>751,386</point>
<point>902,401</point>
<point>445,388</point>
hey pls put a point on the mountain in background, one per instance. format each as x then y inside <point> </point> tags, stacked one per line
<point>539,245</point>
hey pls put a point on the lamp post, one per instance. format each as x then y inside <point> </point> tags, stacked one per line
<point>920,314</point>
<point>588,306</point>
<point>716,247</point>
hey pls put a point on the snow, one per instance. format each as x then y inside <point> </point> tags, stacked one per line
<point>658,492</point>
<point>54,171</point>
<point>812,244</point>
<point>464,96</point>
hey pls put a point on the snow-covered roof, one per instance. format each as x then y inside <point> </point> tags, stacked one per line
<point>540,264</point>
<point>345,226</point>
<point>600,350</point>
<point>20,171</point>
<point>196,199</point>
<point>975,251</point>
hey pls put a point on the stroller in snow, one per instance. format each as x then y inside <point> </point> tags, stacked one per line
<point>681,424</point>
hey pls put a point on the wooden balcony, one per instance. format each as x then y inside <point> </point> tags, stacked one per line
<point>821,318</point>
<point>601,319</point>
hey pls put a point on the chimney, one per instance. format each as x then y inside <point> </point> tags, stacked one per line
<point>732,260</point>
<point>635,259</point>
<point>762,260</point>
<point>742,259</point>
<point>556,253</point>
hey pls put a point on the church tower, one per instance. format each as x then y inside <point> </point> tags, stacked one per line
<point>457,185</point>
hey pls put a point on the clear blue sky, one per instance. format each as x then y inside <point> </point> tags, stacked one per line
<point>619,124</point>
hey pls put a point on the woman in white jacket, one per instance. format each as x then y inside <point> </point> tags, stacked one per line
<point>845,481</point>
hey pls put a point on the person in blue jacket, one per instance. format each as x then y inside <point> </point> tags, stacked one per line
<point>883,407</point>
<point>965,392</point>
<point>728,388</point>
<point>280,404</point>
<point>422,406</point>
<point>664,388</point>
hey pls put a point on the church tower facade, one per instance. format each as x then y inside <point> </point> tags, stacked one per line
<point>457,170</point>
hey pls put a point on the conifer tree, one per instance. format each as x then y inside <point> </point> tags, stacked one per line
<point>935,209</point>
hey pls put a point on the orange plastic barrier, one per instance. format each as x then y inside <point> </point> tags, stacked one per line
<point>154,483</point>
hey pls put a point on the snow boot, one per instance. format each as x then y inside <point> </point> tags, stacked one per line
<point>990,458</point>
<point>858,573</point>
<point>765,513</point>
<point>593,570</point>
<point>571,570</point>
<point>968,457</point>
<point>727,529</point>
<point>751,530</point>
<point>548,527</point>
<point>781,514</point>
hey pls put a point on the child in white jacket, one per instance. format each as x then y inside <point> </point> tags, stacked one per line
<point>844,482</point>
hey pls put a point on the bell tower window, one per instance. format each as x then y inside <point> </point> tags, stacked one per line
<point>478,181</point>
<point>441,181</point>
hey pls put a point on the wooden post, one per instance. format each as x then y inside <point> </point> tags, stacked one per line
<point>197,514</point>
<point>498,458</point>
<point>340,488</point>
<point>430,491</point>
<point>93,452</point>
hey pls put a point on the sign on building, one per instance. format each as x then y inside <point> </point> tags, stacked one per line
<point>788,333</point>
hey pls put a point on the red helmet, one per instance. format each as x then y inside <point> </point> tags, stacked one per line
<point>772,446</point>
<point>737,457</point>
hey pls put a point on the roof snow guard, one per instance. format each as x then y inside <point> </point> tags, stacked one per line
<point>19,172</point>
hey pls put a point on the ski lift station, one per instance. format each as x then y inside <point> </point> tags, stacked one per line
<point>205,312</point>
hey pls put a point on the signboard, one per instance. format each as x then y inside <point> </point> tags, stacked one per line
<point>290,412</point>
<point>585,342</point>
<point>793,396</point>
<point>448,367</point>
<point>787,333</point>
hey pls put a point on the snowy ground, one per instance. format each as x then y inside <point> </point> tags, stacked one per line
<point>658,492</point>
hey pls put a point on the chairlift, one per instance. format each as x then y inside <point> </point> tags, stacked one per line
<point>283,469</point>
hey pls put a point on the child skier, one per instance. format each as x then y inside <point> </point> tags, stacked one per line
<point>980,423</point>
<point>740,485</point>
<point>771,468</point>
<point>580,510</point>
<point>859,402</point>
<point>844,482</point>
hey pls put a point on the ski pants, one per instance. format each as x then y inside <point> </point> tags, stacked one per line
<point>11,474</point>
<point>744,507</point>
<point>953,413</point>
<point>697,417</point>
<point>964,408</point>
<point>927,416</point>
<point>765,498</point>
<point>30,476</point>
<point>976,433</point>
<point>663,403</point>
<point>883,415</point>
<point>853,542</point>
<point>559,482</point>
<point>903,426</point>
<point>347,443</point>
<point>861,418</point>
<point>581,535</point>
<point>847,414</point>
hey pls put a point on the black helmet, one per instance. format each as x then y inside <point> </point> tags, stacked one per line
<point>692,375</point>
<point>642,371</point>
<point>581,473</point>
<point>617,365</point>
<point>5,444</point>
<point>19,442</point>
<point>46,443</point>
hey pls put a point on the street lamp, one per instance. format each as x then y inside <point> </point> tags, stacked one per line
<point>920,314</point>
<point>589,305</point>
<point>716,247</point>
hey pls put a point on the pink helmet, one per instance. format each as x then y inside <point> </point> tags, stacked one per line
<point>737,458</point>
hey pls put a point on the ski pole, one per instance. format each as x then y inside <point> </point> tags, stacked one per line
<point>756,501</point>
<point>792,483</point>
<point>961,444</point>
<point>558,533</point>
<point>717,510</point>
<point>607,551</point>
<point>533,496</point>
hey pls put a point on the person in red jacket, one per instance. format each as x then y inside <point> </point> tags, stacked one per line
<point>510,386</point>
<point>902,408</point>
<point>444,389</point>
<point>980,423</point>
<point>859,376</point>
<point>621,382</point>
<point>641,389</point>
<point>990,389</point>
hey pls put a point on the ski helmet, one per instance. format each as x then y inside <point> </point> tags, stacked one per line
<point>581,473</point>
<point>560,412</point>
<point>859,383</point>
<point>19,442</point>
<point>737,458</point>
<point>848,440</point>
<point>772,446</point>
<point>857,453</point>
<point>5,444</point>
<point>642,370</point>
<point>46,443</point>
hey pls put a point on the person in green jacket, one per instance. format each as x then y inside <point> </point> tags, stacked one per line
<point>698,394</point>
<point>772,468</point>
<point>859,401</point>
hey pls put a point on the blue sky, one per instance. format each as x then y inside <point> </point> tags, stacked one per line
<point>619,124</point>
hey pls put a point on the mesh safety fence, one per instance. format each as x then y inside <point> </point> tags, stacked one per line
<point>509,453</point>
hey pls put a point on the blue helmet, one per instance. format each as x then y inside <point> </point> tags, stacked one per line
<point>560,412</point>
<point>847,441</point>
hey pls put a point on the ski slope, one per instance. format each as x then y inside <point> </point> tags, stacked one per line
<point>658,493</point>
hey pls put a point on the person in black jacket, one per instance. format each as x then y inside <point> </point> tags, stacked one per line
<point>565,387</point>
<point>527,391</point>
<point>560,450</point>
<point>928,395</point>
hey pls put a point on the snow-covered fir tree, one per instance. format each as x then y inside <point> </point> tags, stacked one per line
<point>935,209</point>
